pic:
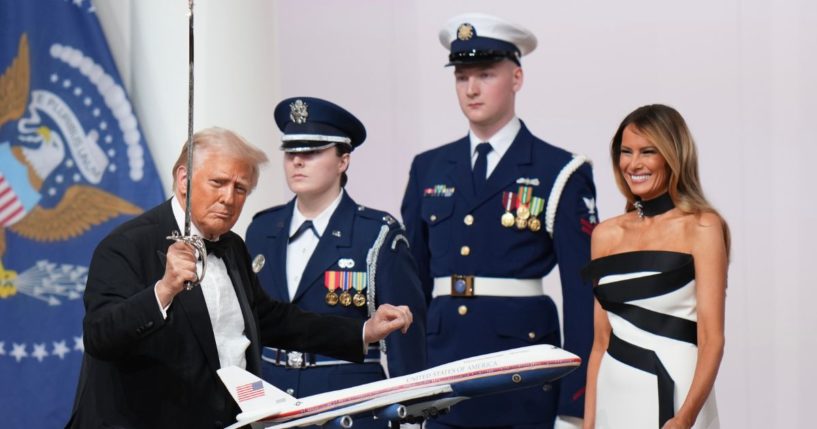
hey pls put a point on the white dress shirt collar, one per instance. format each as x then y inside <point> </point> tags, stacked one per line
<point>320,222</point>
<point>500,142</point>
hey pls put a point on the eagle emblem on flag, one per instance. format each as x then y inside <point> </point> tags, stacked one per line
<point>73,166</point>
<point>48,171</point>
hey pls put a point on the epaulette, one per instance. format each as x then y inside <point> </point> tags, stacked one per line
<point>380,216</point>
<point>269,210</point>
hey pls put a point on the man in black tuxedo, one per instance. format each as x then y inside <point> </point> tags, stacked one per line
<point>151,347</point>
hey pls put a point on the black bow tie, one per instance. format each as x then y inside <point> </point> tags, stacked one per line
<point>216,248</point>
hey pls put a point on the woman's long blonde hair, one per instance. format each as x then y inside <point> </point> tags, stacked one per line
<point>664,127</point>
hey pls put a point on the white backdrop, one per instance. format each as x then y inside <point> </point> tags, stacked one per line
<point>741,72</point>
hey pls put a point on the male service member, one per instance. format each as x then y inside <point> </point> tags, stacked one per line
<point>488,216</point>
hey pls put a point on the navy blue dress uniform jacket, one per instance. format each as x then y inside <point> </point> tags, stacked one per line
<point>141,370</point>
<point>350,234</point>
<point>437,229</point>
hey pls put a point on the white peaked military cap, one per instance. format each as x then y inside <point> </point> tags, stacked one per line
<point>476,37</point>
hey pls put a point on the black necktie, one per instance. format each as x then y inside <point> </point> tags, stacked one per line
<point>481,167</point>
<point>216,248</point>
<point>307,225</point>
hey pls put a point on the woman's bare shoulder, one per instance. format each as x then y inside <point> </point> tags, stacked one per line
<point>702,224</point>
<point>703,230</point>
<point>607,234</point>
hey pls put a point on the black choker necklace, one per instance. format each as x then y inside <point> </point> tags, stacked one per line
<point>655,206</point>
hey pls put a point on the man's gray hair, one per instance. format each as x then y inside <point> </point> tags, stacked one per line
<point>227,142</point>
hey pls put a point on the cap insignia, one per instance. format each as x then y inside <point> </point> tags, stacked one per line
<point>465,31</point>
<point>298,112</point>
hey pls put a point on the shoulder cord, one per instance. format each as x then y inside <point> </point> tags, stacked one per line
<point>371,268</point>
<point>559,186</point>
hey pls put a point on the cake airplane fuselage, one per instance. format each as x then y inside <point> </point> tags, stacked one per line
<point>410,397</point>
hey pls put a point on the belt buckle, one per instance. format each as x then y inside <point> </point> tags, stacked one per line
<point>295,360</point>
<point>462,286</point>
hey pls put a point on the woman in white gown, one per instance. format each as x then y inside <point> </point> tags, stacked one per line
<point>660,276</point>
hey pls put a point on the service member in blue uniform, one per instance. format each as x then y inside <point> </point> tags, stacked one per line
<point>328,254</point>
<point>488,216</point>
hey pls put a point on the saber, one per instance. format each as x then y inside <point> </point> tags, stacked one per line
<point>190,49</point>
<point>194,240</point>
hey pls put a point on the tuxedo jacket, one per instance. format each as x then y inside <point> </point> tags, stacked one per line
<point>358,241</point>
<point>141,370</point>
<point>453,230</point>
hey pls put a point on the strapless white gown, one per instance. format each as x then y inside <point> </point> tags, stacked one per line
<point>647,370</point>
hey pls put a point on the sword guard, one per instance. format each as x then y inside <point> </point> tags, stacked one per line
<point>198,243</point>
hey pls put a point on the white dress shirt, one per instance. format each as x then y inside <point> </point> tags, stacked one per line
<point>222,304</point>
<point>500,142</point>
<point>300,250</point>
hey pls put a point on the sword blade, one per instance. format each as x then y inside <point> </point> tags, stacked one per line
<point>191,46</point>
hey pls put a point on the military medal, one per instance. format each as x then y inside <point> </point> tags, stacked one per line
<point>359,300</point>
<point>359,283</point>
<point>523,197</point>
<point>536,206</point>
<point>507,218</point>
<point>534,224</point>
<point>345,298</point>
<point>330,280</point>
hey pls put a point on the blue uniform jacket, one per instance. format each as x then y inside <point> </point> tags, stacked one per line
<point>350,234</point>
<point>439,197</point>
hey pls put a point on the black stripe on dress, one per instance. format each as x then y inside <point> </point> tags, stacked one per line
<point>646,360</point>
<point>648,286</point>
<point>636,261</point>
<point>654,322</point>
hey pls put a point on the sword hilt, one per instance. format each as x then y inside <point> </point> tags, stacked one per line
<point>198,244</point>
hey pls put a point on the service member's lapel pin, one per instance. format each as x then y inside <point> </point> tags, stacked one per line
<point>336,233</point>
<point>346,263</point>
<point>258,263</point>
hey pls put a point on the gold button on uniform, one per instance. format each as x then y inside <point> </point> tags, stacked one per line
<point>463,310</point>
<point>433,218</point>
<point>531,335</point>
<point>469,220</point>
<point>465,250</point>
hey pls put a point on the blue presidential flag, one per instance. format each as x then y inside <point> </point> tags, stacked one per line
<point>73,165</point>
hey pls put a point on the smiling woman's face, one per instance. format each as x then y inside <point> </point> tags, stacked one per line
<point>642,166</point>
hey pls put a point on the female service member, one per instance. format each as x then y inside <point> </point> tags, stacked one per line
<point>327,254</point>
<point>660,278</point>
